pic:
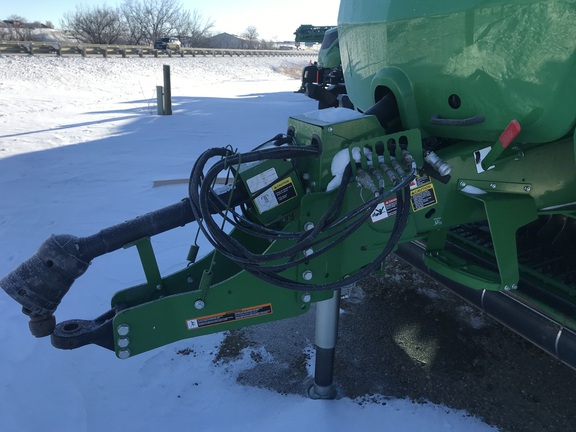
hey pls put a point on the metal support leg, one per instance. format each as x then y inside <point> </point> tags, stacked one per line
<point>327,312</point>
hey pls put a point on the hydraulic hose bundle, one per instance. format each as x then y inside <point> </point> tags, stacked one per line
<point>329,231</point>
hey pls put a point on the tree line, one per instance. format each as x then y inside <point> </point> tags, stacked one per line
<point>133,22</point>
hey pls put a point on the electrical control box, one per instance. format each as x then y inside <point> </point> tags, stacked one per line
<point>274,187</point>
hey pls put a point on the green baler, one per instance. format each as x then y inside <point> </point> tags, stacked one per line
<point>459,157</point>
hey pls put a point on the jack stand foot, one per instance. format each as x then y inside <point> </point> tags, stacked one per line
<point>327,313</point>
<point>317,392</point>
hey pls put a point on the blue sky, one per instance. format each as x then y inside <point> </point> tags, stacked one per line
<point>273,19</point>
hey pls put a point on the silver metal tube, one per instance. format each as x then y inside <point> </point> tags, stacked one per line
<point>327,314</point>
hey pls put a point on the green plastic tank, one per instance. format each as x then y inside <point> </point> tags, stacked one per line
<point>464,69</point>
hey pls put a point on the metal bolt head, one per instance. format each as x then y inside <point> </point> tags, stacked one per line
<point>507,288</point>
<point>124,354</point>
<point>514,286</point>
<point>123,342</point>
<point>308,252</point>
<point>190,279</point>
<point>462,184</point>
<point>123,329</point>
<point>158,287</point>
<point>492,185</point>
<point>306,298</point>
<point>307,275</point>
<point>527,188</point>
<point>308,226</point>
<point>330,129</point>
<point>199,304</point>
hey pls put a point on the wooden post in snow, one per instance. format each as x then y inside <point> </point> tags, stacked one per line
<point>160,100</point>
<point>167,91</point>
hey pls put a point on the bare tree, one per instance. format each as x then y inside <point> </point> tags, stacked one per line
<point>97,25</point>
<point>18,18</point>
<point>16,28</point>
<point>148,20</point>
<point>266,44</point>
<point>196,31</point>
<point>251,36</point>
<point>135,22</point>
<point>4,32</point>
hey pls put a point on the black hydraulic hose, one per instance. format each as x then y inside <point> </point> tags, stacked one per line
<point>350,225</point>
<point>398,229</point>
<point>200,187</point>
<point>245,225</point>
<point>226,243</point>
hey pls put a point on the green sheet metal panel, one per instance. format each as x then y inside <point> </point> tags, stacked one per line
<point>503,60</point>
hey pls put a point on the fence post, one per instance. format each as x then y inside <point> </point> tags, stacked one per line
<point>167,91</point>
<point>160,100</point>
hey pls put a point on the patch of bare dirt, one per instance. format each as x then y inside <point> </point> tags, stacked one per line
<point>402,335</point>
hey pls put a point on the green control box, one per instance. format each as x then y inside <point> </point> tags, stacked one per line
<point>274,188</point>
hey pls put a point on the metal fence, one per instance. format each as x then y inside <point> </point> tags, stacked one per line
<point>84,50</point>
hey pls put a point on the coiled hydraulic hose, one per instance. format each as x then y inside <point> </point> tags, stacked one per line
<point>333,227</point>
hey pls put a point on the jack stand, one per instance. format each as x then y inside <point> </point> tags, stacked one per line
<point>327,313</point>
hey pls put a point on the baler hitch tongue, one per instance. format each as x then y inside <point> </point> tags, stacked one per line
<point>40,283</point>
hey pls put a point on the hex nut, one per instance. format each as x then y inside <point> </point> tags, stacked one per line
<point>123,342</point>
<point>123,329</point>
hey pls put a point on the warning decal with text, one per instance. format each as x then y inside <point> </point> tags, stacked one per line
<point>422,193</point>
<point>230,316</point>
<point>279,193</point>
<point>384,210</point>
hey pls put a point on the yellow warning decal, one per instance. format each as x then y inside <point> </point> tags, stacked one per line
<point>280,192</point>
<point>284,190</point>
<point>423,197</point>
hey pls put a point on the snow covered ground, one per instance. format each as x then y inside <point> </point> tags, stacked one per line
<point>80,146</point>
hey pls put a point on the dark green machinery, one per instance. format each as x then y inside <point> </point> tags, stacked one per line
<point>323,80</point>
<point>460,158</point>
<point>308,33</point>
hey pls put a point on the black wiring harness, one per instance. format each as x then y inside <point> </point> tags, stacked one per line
<point>329,231</point>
